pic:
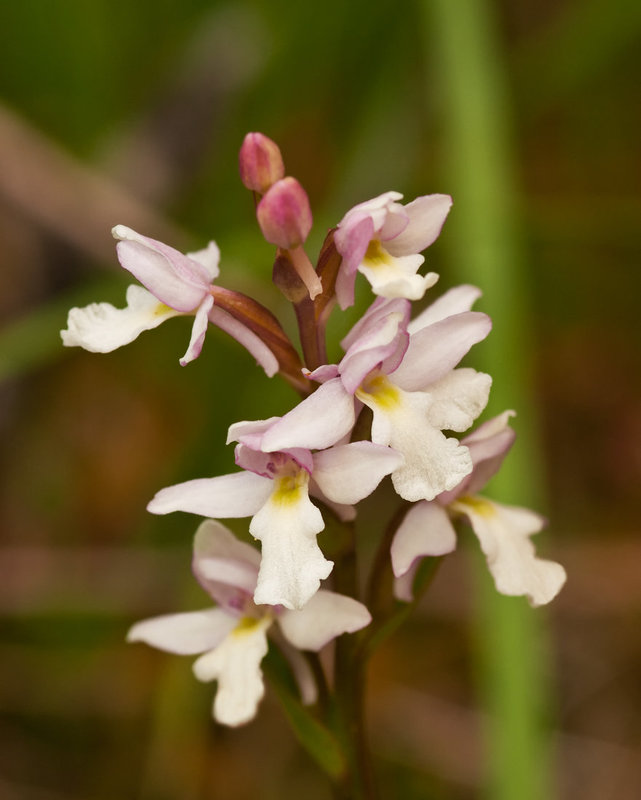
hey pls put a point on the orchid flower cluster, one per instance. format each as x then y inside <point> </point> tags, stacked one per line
<point>389,406</point>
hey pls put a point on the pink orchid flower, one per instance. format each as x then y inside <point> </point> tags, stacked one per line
<point>405,373</point>
<point>175,284</point>
<point>503,531</point>
<point>382,239</point>
<point>274,490</point>
<point>232,636</point>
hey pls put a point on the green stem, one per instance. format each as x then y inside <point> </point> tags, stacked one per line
<point>348,718</point>
<point>384,626</point>
<point>480,171</point>
<point>347,711</point>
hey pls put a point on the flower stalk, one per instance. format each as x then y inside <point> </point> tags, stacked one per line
<point>395,403</point>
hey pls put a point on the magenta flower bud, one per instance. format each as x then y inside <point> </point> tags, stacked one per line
<point>284,215</point>
<point>260,162</point>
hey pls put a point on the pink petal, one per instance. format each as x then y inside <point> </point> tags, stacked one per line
<point>426,530</point>
<point>317,422</point>
<point>454,301</point>
<point>348,473</point>
<point>184,634</point>
<point>240,494</point>
<point>325,616</point>
<point>249,340</point>
<point>208,258</point>
<point>488,446</point>
<point>169,275</point>
<point>504,534</point>
<point>404,586</point>
<point>396,221</point>
<point>372,318</point>
<point>426,217</point>
<point>385,342</point>
<point>343,512</point>
<point>222,564</point>
<point>250,432</point>
<point>435,350</point>
<point>488,453</point>
<point>300,667</point>
<point>352,244</point>
<point>198,331</point>
<point>322,374</point>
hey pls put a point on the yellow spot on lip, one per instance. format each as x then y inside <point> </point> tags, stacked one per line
<point>379,390</point>
<point>161,309</point>
<point>289,488</point>
<point>376,255</point>
<point>247,625</point>
<point>478,504</point>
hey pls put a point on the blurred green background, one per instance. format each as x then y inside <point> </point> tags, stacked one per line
<point>113,112</point>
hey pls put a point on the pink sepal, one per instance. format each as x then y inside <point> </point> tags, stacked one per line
<point>317,422</point>
<point>249,340</point>
<point>436,349</point>
<point>178,281</point>
<point>240,494</point>
<point>426,530</point>
<point>427,215</point>
<point>198,331</point>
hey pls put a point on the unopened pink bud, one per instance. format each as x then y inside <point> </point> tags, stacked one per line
<point>260,162</point>
<point>284,215</point>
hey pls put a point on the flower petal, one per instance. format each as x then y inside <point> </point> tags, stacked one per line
<point>373,317</point>
<point>185,634</point>
<point>223,565</point>
<point>343,512</point>
<point>426,215</point>
<point>198,331</point>
<point>168,274</point>
<point>454,301</point>
<point>432,463</point>
<point>235,664</point>
<point>292,565</point>
<point>250,432</point>
<point>426,530</point>
<point>435,350</point>
<point>347,473</point>
<point>325,616</point>
<point>384,340</point>
<point>404,586</point>
<point>458,399</point>
<point>393,280</point>
<point>319,421</point>
<point>209,258</point>
<point>240,494</point>
<point>504,534</point>
<point>102,328</point>
<point>488,453</point>
<point>249,340</point>
<point>488,446</point>
<point>300,667</point>
<point>352,245</point>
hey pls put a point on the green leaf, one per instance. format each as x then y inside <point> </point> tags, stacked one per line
<point>315,737</point>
